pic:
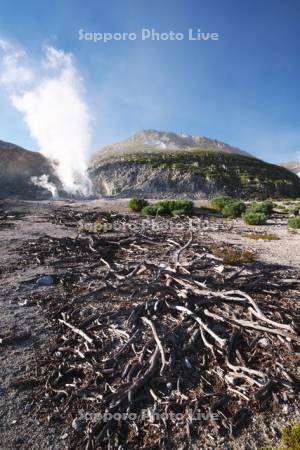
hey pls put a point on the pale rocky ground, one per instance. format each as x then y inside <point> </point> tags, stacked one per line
<point>19,429</point>
<point>285,251</point>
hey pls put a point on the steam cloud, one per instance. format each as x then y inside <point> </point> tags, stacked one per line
<point>50,95</point>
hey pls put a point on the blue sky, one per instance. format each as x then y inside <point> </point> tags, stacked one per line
<point>243,89</point>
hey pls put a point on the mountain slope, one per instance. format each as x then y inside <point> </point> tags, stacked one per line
<point>158,164</point>
<point>293,166</point>
<point>17,166</point>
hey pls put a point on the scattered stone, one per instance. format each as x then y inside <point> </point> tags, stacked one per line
<point>264,342</point>
<point>46,280</point>
<point>78,425</point>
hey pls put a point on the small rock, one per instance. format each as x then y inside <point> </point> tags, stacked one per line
<point>285,409</point>
<point>64,436</point>
<point>46,280</point>
<point>28,407</point>
<point>187,363</point>
<point>78,425</point>
<point>264,342</point>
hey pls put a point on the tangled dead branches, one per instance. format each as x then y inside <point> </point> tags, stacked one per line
<point>152,329</point>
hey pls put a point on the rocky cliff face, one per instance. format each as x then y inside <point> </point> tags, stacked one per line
<point>17,167</point>
<point>156,164</point>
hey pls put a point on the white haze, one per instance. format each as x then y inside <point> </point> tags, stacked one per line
<point>43,182</point>
<point>49,94</point>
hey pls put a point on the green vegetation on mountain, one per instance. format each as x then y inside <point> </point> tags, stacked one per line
<point>249,176</point>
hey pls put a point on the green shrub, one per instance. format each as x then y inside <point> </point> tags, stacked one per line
<point>137,204</point>
<point>178,212</point>
<point>254,218</point>
<point>173,205</point>
<point>149,210</point>
<point>234,209</point>
<point>294,222</point>
<point>263,207</point>
<point>162,210</point>
<point>220,202</point>
<point>168,207</point>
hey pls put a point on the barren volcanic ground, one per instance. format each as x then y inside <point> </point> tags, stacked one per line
<point>144,337</point>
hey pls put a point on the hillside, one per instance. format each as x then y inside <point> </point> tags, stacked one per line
<point>162,164</point>
<point>293,166</point>
<point>16,169</point>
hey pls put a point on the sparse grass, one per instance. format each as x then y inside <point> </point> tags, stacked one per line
<point>254,218</point>
<point>294,222</point>
<point>137,204</point>
<point>264,236</point>
<point>231,255</point>
<point>290,439</point>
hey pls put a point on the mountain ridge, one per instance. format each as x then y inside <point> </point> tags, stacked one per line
<point>149,140</point>
<point>159,164</point>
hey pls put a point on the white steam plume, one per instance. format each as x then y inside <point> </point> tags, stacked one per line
<point>50,97</point>
<point>43,182</point>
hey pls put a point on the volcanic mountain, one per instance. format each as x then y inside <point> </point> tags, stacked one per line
<point>164,164</point>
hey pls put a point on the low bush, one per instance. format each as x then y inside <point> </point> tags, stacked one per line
<point>137,204</point>
<point>254,218</point>
<point>294,222</point>
<point>149,210</point>
<point>178,212</point>
<point>181,207</point>
<point>234,209</point>
<point>174,205</point>
<point>220,202</point>
<point>263,207</point>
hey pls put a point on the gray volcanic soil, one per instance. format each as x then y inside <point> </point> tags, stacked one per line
<point>19,426</point>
